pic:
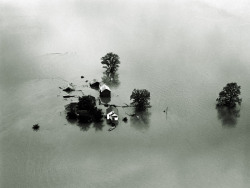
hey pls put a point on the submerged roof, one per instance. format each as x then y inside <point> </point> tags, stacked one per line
<point>112,109</point>
<point>94,81</point>
<point>104,87</point>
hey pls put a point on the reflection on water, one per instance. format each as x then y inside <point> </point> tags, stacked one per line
<point>98,126</point>
<point>111,79</point>
<point>84,126</point>
<point>141,120</point>
<point>105,100</point>
<point>71,121</point>
<point>228,116</point>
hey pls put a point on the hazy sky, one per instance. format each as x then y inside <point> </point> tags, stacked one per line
<point>212,29</point>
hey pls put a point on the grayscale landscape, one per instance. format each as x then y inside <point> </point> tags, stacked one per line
<point>183,52</point>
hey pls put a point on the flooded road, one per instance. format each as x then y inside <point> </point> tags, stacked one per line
<point>183,52</point>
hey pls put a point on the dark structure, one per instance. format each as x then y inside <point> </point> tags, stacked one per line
<point>112,114</point>
<point>86,103</point>
<point>105,91</point>
<point>94,84</point>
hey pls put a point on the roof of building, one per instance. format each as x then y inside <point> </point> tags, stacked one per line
<point>112,108</point>
<point>104,87</point>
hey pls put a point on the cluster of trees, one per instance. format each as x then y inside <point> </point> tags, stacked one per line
<point>85,110</point>
<point>140,98</point>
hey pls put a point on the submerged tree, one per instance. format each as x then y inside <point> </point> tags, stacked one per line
<point>229,96</point>
<point>86,103</point>
<point>88,110</point>
<point>111,62</point>
<point>97,114</point>
<point>71,114</point>
<point>111,79</point>
<point>84,111</point>
<point>140,98</point>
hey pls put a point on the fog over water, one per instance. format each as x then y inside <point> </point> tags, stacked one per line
<point>183,52</point>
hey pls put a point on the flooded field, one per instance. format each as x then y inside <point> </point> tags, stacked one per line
<point>183,52</point>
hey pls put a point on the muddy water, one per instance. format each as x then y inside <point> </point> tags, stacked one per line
<point>182,52</point>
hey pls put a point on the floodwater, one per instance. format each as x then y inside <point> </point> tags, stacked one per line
<point>183,52</point>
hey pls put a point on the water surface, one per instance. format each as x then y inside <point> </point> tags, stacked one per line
<point>183,52</point>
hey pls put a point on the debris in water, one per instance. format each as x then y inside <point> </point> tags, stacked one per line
<point>112,128</point>
<point>132,115</point>
<point>125,119</point>
<point>36,127</point>
<point>86,81</point>
<point>69,88</point>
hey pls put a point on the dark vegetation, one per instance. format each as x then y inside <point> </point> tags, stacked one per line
<point>229,96</point>
<point>140,99</point>
<point>85,110</point>
<point>111,62</point>
<point>227,104</point>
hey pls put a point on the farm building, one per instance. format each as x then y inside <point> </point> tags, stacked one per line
<point>104,91</point>
<point>112,113</point>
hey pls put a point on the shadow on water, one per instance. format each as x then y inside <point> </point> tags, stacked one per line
<point>71,121</point>
<point>84,126</point>
<point>105,100</point>
<point>228,116</point>
<point>141,120</point>
<point>98,126</point>
<point>111,79</point>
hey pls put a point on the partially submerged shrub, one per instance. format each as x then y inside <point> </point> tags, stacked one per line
<point>85,110</point>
